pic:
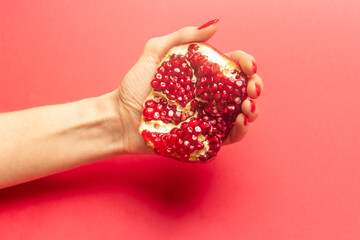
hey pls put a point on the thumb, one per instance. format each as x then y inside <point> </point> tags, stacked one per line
<point>161,45</point>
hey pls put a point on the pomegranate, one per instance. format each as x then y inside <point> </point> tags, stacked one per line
<point>196,96</point>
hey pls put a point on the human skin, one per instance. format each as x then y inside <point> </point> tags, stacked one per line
<point>46,140</point>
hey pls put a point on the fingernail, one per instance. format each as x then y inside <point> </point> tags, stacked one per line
<point>258,89</point>
<point>252,106</point>
<point>245,120</point>
<point>209,23</point>
<point>254,67</point>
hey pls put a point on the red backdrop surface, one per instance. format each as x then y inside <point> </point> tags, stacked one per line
<point>295,176</point>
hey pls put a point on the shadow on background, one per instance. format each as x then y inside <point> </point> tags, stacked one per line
<point>167,186</point>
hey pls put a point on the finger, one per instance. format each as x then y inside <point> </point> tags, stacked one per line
<point>250,109</point>
<point>245,60</point>
<point>255,86</point>
<point>161,45</point>
<point>239,131</point>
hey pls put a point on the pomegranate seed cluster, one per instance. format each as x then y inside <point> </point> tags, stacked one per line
<point>193,105</point>
<point>174,79</point>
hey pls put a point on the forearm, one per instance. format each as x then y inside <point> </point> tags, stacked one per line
<point>42,141</point>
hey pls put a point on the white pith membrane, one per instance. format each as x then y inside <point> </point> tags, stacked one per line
<point>158,126</point>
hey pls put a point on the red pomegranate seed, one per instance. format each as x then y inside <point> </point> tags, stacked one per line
<point>200,91</point>
<point>205,96</point>
<point>193,139</point>
<point>175,62</point>
<point>193,47</point>
<point>229,88</point>
<point>213,87</point>
<point>171,97</point>
<point>189,55</point>
<point>186,145</point>
<point>202,60</point>
<point>191,149</point>
<point>150,103</point>
<point>221,86</point>
<point>195,57</point>
<point>199,146</point>
<point>188,130</point>
<point>194,103</point>
<point>203,81</point>
<point>162,86</point>
<point>243,90</point>
<point>161,69</point>
<point>167,65</point>
<point>184,66</point>
<point>156,116</point>
<point>148,112</point>
<point>212,103</point>
<point>239,83</point>
<point>215,69</point>
<point>155,84</point>
<point>205,127</point>
<point>182,75</point>
<point>204,157</point>
<point>197,130</point>
<point>159,76</point>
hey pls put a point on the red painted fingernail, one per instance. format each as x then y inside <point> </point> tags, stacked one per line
<point>258,89</point>
<point>254,67</point>
<point>245,120</point>
<point>211,22</point>
<point>252,106</point>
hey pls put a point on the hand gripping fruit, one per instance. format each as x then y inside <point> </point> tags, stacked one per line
<point>196,96</point>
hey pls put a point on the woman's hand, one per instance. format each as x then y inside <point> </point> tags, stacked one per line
<point>136,86</point>
<point>42,141</point>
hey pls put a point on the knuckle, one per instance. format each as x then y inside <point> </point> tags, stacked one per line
<point>151,43</point>
<point>187,29</point>
<point>185,32</point>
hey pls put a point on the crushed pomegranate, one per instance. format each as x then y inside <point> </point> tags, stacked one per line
<point>196,96</point>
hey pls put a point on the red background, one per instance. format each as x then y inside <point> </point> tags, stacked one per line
<point>295,176</point>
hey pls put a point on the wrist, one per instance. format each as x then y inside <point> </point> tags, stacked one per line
<point>113,116</point>
<point>130,140</point>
